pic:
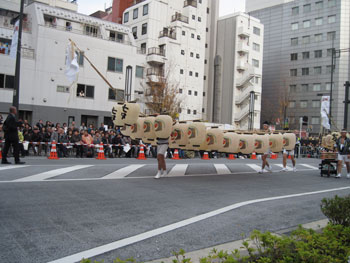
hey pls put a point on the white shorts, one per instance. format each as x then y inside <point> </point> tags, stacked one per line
<point>291,153</point>
<point>343,158</point>
<point>162,149</point>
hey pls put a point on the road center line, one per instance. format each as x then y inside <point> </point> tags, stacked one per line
<point>12,167</point>
<point>50,174</point>
<point>159,231</point>
<point>222,169</point>
<point>123,172</point>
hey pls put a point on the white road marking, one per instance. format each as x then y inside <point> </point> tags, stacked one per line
<point>255,167</point>
<point>222,169</point>
<point>178,170</point>
<point>52,173</point>
<point>159,231</point>
<point>310,166</point>
<point>287,167</point>
<point>123,172</point>
<point>12,167</point>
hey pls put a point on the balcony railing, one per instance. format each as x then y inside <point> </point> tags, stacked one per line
<point>179,17</point>
<point>5,22</point>
<point>155,72</point>
<point>190,3</point>
<point>167,33</point>
<point>156,51</point>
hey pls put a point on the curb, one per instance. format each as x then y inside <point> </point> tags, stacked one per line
<point>198,254</point>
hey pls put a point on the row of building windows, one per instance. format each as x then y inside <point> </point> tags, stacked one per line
<point>135,13</point>
<point>309,87</point>
<point>306,54</point>
<point>189,92</point>
<point>189,111</point>
<point>191,54</point>
<point>318,22</point>
<point>306,71</point>
<point>317,38</point>
<point>143,30</point>
<point>305,104</point>
<point>7,81</point>
<point>192,35</point>
<point>307,7</point>
<point>314,120</point>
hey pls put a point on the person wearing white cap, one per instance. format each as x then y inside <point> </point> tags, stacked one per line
<point>343,148</point>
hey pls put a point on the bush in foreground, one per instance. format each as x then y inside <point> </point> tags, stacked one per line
<point>337,210</point>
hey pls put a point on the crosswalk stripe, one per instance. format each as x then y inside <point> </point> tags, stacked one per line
<point>123,172</point>
<point>287,167</point>
<point>255,167</point>
<point>178,170</point>
<point>310,166</point>
<point>12,167</point>
<point>222,169</point>
<point>52,173</point>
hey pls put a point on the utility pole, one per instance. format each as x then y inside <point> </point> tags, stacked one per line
<point>15,101</point>
<point>347,101</point>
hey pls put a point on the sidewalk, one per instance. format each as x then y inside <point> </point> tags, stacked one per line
<point>195,256</point>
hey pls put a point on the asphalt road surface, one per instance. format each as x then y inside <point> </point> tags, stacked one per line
<point>67,209</point>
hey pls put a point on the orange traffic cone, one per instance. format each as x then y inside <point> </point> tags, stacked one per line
<point>101,153</point>
<point>205,156</point>
<point>274,156</point>
<point>176,155</point>
<point>141,154</point>
<point>253,157</point>
<point>53,152</point>
<point>231,157</point>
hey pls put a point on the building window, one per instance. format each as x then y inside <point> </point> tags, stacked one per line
<point>134,31</point>
<point>295,26</point>
<point>63,89</point>
<point>135,13</point>
<point>118,94</point>
<point>188,111</point>
<point>329,52</point>
<point>306,39</point>
<point>294,41</point>
<point>85,91</point>
<point>196,93</point>
<point>126,17</point>
<point>304,87</point>
<point>315,120</point>
<point>316,87</point>
<point>255,63</point>
<point>180,91</point>
<point>306,23</point>
<point>329,69</point>
<point>192,35</point>
<point>306,55</point>
<point>256,47</point>
<point>331,19</point>
<point>197,74</point>
<point>331,35</point>
<point>193,17</point>
<point>328,86</point>
<point>182,52</point>
<point>206,45</point>
<point>292,104</point>
<point>307,8</point>
<point>194,112</point>
<point>319,21</point>
<point>319,5</point>
<point>204,77</point>
<point>205,61</point>
<point>181,71</point>
<point>139,72</point>
<point>317,70</point>
<point>256,31</point>
<point>191,73</point>
<point>144,29</point>
<point>318,37</point>
<point>115,64</point>
<point>143,48</point>
<point>294,56</point>
<point>191,54</point>
<point>190,92</point>
<point>318,53</point>
<point>145,10</point>
<point>203,94</point>
<point>295,11</point>
<point>293,88</point>
<point>203,110</point>
<point>198,37</point>
<point>331,3</point>
<point>303,104</point>
<point>305,71</point>
<point>184,33</point>
<point>197,56</point>
<point>81,58</point>
<point>293,72</point>
<point>199,19</point>
<point>316,104</point>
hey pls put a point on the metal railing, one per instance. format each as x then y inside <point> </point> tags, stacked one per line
<point>190,3</point>
<point>179,17</point>
<point>155,72</point>
<point>167,33</point>
<point>156,51</point>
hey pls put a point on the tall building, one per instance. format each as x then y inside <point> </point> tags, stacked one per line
<point>297,67</point>
<point>45,93</point>
<point>177,38</point>
<point>236,90</point>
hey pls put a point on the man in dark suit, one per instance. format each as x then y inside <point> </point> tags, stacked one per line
<point>11,136</point>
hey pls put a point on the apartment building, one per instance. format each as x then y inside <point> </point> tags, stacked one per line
<point>45,93</point>
<point>236,96</point>
<point>178,38</point>
<point>297,66</point>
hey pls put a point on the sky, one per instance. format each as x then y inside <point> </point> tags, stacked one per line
<point>226,6</point>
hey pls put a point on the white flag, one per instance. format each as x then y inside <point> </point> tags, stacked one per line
<point>14,42</point>
<point>325,111</point>
<point>72,66</point>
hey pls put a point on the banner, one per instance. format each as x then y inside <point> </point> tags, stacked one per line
<point>72,66</point>
<point>325,104</point>
<point>14,42</point>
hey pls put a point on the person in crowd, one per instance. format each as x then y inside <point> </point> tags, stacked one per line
<point>26,124</point>
<point>265,163</point>
<point>77,143</point>
<point>65,128</point>
<point>97,140</point>
<point>1,119</point>
<point>87,140</point>
<point>62,143</point>
<point>46,138</point>
<point>20,143</point>
<point>72,126</point>
<point>36,140</point>
<point>82,127</point>
<point>10,128</point>
<point>54,135</point>
<point>58,126</point>
<point>118,146</point>
<point>40,124</point>
<point>102,128</point>
<point>134,152</point>
<point>2,134</point>
<point>106,141</point>
<point>91,129</point>
<point>343,149</point>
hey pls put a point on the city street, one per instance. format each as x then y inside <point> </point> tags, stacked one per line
<point>63,210</point>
